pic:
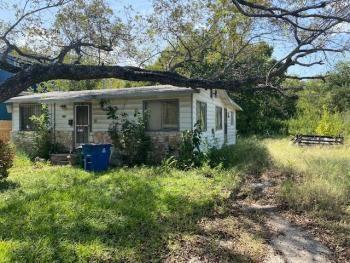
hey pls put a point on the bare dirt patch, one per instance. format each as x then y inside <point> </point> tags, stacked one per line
<point>288,242</point>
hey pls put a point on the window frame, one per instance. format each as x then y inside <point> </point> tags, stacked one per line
<point>233,118</point>
<point>20,108</point>
<point>206,114</point>
<point>216,118</point>
<point>161,120</point>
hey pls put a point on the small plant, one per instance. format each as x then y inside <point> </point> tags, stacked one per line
<point>167,165</point>
<point>6,158</point>
<point>132,144</point>
<point>190,153</point>
<point>42,134</point>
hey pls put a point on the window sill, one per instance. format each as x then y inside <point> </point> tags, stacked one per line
<point>175,130</point>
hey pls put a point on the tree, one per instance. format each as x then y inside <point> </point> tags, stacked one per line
<point>310,30</point>
<point>264,112</point>
<point>323,107</point>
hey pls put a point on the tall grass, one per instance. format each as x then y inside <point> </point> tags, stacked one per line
<point>248,156</point>
<point>320,178</point>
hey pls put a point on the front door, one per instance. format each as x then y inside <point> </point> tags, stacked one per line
<point>82,124</point>
<point>225,124</point>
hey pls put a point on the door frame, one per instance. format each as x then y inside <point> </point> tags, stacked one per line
<point>75,120</point>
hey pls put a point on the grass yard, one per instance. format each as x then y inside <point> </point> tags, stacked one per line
<point>64,214</point>
<point>318,184</point>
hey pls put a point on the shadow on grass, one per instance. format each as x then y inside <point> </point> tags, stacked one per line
<point>6,185</point>
<point>227,236</point>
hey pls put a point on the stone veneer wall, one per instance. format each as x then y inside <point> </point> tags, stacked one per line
<point>23,140</point>
<point>100,137</point>
<point>163,143</point>
<point>66,139</point>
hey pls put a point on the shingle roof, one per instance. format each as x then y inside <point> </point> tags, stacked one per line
<point>84,95</point>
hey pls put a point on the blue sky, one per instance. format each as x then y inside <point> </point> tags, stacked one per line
<point>145,6</point>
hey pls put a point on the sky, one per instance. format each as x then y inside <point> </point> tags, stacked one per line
<point>145,7</point>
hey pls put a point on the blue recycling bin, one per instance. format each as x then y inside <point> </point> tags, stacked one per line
<point>96,157</point>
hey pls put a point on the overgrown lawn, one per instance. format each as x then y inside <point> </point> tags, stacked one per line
<point>64,214</point>
<point>318,183</point>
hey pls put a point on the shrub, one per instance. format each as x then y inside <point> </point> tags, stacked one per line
<point>132,144</point>
<point>330,124</point>
<point>42,134</point>
<point>6,158</point>
<point>190,153</point>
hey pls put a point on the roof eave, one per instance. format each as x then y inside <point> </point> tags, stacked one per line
<point>154,94</point>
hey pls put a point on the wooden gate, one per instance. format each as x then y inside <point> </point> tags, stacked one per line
<point>5,130</point>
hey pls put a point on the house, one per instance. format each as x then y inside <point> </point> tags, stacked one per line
<point>77,117</point>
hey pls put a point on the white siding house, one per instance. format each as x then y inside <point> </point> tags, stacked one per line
<point>77,117</point>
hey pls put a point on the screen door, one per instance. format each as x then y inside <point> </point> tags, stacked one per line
<point>82,124</point>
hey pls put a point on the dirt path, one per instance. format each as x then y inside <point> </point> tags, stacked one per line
<point>249,227</point>
<point>288,243</point>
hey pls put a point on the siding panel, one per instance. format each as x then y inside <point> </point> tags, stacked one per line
<point>212,136</point>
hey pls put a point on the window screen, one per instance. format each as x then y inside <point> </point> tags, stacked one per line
<point>162,115</point>
<point>26,111</point>
<point>218,118</point>
<point>201,112</point>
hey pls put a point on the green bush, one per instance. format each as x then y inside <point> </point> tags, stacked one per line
<point>42,134</point>
<point>330,124</point>
<point>6,158</point>
<point>131,143</point>
<point>190,153</point>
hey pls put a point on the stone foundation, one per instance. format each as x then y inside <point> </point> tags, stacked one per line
<point>23,140</point>
<point>64,139</point>
<point>101,137</point>
<point>164,143</point>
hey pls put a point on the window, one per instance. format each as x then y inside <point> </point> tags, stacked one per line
<point>201,112</point>
<point>162,114</point>
<point>25,112</point>
<point>218,118</point>
<point>232,118</point>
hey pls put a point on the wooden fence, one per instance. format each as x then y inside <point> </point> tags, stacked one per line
<point>5,130</point>
<point>316,139</point>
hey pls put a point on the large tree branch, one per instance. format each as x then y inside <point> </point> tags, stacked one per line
<point>38,73</point>
<point>4,65</point>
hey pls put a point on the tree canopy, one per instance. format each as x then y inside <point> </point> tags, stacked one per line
<point>201,43</point>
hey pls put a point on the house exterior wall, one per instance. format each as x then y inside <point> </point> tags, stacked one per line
<point>212,136</point>
<point>62,116</point>
<point>61,113</point>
